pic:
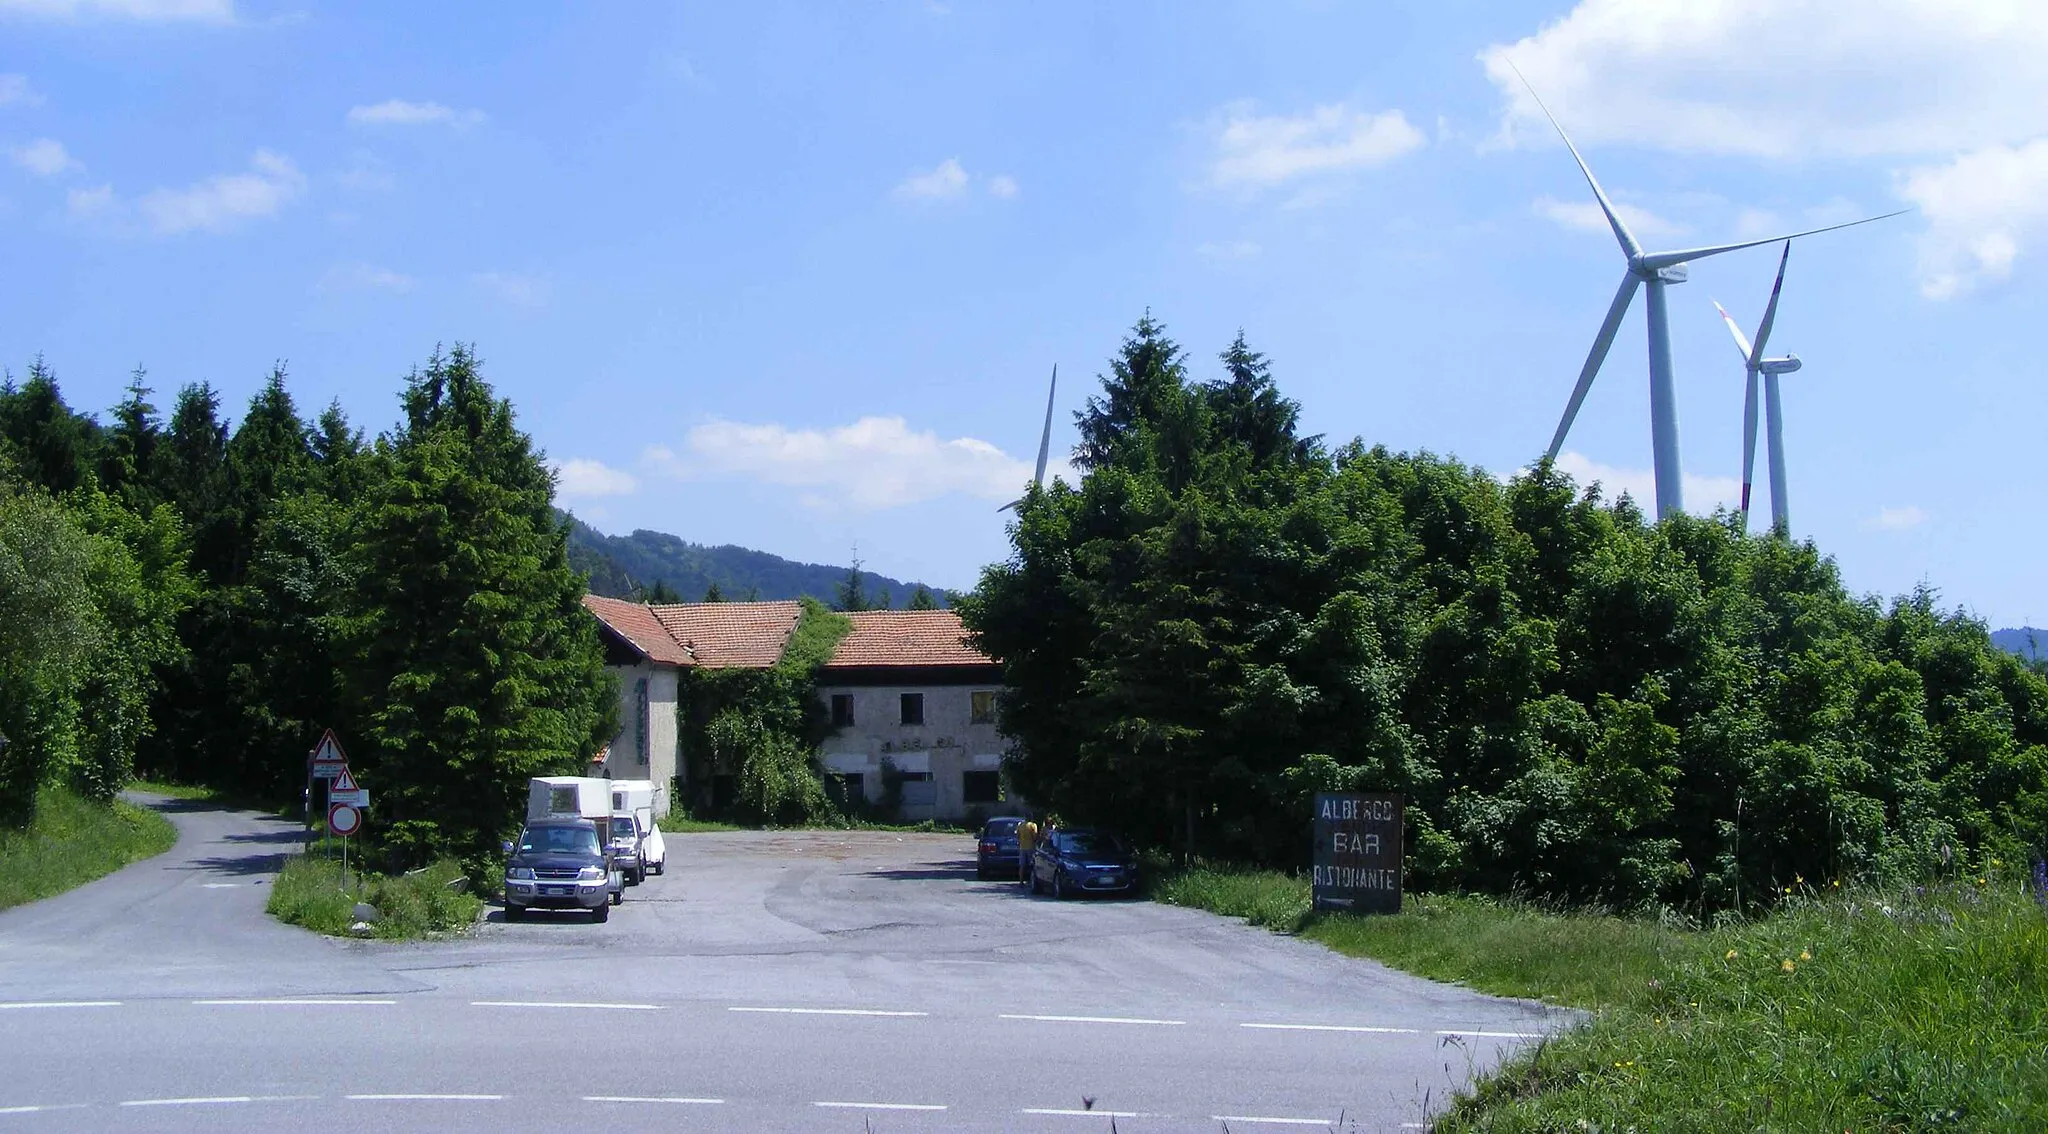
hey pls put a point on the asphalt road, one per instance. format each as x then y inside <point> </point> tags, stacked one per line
<point>806,981</point>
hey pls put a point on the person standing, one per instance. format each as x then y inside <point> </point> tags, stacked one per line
<point>1027,841</point>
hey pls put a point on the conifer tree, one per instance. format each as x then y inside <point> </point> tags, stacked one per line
<point>50,445</point>
<point>128,459</point>
<point>923,599</point>
<point>713,594</point>
<point>853,590</point>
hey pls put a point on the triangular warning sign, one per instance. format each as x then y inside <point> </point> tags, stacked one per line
<point>328,751</point>
<point>342,782</point>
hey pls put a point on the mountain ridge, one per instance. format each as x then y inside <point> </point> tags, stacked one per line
<point>624,566</point>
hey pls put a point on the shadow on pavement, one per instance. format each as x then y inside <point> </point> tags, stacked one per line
<point>959,868</point>
<point>495,915</point>
<point>268,863</point>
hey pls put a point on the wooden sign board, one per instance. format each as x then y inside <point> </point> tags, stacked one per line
<point>1357,862</point>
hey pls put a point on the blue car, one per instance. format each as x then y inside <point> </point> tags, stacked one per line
<point>995,854</point>
<point>1082,860</point>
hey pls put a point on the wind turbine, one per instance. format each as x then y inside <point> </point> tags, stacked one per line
<point>1755,363</point>
<point>1044,440</point>
<point>1656,270</point>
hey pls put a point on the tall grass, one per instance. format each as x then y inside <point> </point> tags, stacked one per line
<point>72,841</point>
<point>313,892</point>
<point>1909,1009</point>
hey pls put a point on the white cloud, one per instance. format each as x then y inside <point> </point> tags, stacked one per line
<point>360,276</point>
<point>1898,519</point>
<point>217,203</point>
<point>876,462</point>
<point>1586,216</point>
<point>1980,208</point>
<point>366,173</point>
<point>1702,493</point>
<point>1785,78</point>
<point>513,287</point>
<point>15,91</point>
<point>89,203</point>
<point>943,183</point>
<point>399,112</point>
<point>1258,152</point>
<point>201,11</point>
<point>586,479</point>
<point>1002,185</point>
<point>44,157</point>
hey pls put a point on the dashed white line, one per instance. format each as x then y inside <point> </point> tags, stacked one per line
<point>1334,1028</point>
<point>652,1100</point>
<point>1093,1020</point>
<point>1084,1113</point>
<point>1494,1035</point>
<point>40,1108</point>
<point>294,1001</point>
<point>1270,1121</point>
<point>563,1004</point>
<point>424,1098</point>
<point>219,886</point>
<point>62,1004</point>
<point>205,1101</point>
<point>829,1011</point>
<point>880,1105</point>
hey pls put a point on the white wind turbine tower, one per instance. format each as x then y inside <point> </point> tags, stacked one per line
<point>1044,440</point>
<point>1656,270</point>
<point>1755,363</point>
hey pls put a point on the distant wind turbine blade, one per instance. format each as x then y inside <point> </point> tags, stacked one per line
<point>1621,232</point>
<point>1604,340</point>
<point>1748,441</point>
<point>1011,506</point>
<point>1045,439</point>
<point>1763,329</point>
<point>1741,340</point>
<point>1654,260</point>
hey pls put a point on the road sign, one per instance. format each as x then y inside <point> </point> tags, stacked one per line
<point>358,799</point>
<point>1357,853</point>
<point>343,782</point>
<point>327,757</point>
<point>343,820</point>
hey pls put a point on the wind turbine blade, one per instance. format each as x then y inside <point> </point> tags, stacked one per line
<point>1621,232</point>
<point>1741,340</point>
<point>1763,329</point>
<point>1654,260</point>
<point>1605,339</point>
<point>1748,441</point>
<point>1045,439</point>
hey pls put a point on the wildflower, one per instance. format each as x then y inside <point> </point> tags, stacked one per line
<point>1995,863</point>
<point>1838,883</point>
<point>1799,879</point>
<point>1787,965</point>
<point>1982,881</point>
<point>1805,956</point>
<point>1788,889</point>
<point>1729,957</point>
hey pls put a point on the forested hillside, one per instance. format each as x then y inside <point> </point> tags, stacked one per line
<point>1225,617</point>
<point>630,566</point>
<point>2025,641</point>
<point>198,601</point>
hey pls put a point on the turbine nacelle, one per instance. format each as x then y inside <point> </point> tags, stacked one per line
<point>1785,365</point>
<point>1666,273</point>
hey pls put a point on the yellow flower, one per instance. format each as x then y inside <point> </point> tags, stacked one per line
<point>1995,862</point>
<point>1799,879</point>
<point>1982,881</point>
<point>1838,883</point>
<point>1787,965</point>
<point>1805,956</point>
<point>1729,957</point>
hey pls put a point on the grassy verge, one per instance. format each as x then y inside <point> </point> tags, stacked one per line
<point>1917,1009</point>
<point>240,802</point>
<point>72,841</point>
<point>312,892</point>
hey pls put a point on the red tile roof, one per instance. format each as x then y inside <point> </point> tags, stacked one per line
<point>636,623</point>
<point>905,637</point>
<point>731,635</point>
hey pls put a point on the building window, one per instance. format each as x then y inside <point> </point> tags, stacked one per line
<point>982,707</point>
<point>842,710</point>
<point>851,788</point>
<point>913,708</point>
<point>918,790</point>
<point>981,787</point>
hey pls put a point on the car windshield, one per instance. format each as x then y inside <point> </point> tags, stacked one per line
<point>1091,843</point>
<point>558,840</point>
<point>1000,828</point>
<point>622,827</point>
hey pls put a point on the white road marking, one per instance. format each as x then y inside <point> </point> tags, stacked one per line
<point>1496,1035</point>
<point>218,886</point>
<point>424,1098</point>
<point>563,1004</point>
<point>650,1100</point>
<point>830,1011</point>
<point>880,1105</point>
<point>1253,1118</point>
<point>1093,1020</point>
<point>291,1001</point>
<point>190,1102</point>
<point>1084,1113</point>
<point>1334,1028</point>
<point>41,1108</point>
<point>62,1004</point>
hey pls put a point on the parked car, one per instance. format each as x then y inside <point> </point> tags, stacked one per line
<point>996,853</point>
<point>625,848</point>
<point>1083,860</point>
<point>560,864</point>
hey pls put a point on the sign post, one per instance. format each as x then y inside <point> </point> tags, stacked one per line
<point>1357,853</point>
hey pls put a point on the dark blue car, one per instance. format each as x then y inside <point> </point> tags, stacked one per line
<point>995,855</point>
<point>1082,860</point>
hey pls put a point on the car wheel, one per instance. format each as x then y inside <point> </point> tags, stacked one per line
<point>514,913</point>
<point>1059,886</point>
<point>601,913</point>
<point>639,876</point>
<point>618,896</point>
<point>1037,887</point>
<point>661,867</point>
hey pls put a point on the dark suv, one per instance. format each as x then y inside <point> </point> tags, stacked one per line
<point>560,864</point>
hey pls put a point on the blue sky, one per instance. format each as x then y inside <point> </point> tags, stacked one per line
<point>792,276</point>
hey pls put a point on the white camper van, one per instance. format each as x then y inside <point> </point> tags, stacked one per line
<point>633,807</point>
<point>563,858</point>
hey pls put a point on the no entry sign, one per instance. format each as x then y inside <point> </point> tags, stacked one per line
<point>343,819</point>
<point>1357,853</point>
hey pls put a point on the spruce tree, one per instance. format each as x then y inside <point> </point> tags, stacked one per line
<point>471,661</point>
<point>853,590</point>
<point>51,445</point>
<point>713,594</point>
<point>128,459</point>
<point>923,599</point>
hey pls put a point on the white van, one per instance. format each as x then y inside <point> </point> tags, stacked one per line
<point>635,799</point>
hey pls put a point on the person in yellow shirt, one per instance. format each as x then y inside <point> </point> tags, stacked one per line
<point>1027,841</point>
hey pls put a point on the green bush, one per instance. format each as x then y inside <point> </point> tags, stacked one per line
<point>73,840</point>
<point>313,892</point>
